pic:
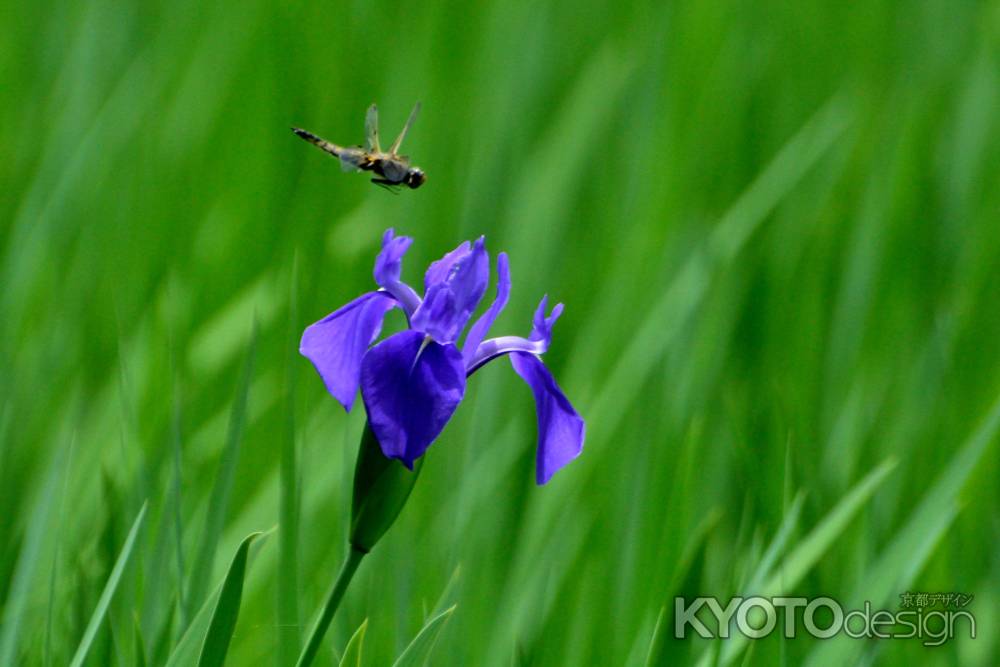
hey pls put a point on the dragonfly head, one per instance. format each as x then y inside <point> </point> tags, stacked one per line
<point>415,178</point>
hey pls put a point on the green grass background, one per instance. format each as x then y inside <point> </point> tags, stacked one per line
<point>775,229</point>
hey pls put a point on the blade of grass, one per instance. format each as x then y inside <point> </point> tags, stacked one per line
<point>288,530</point>
<point>139,646</point>
<point>176,457</point>
<point>685,582</point>
<point>419,650</point>
<point>36,528</point>
<point>54,572</point>
<point>447,593</point>
<point>665,317</point>
<point>809,551</point>
<point>109,590</point>
<point>219,501</point>
<point>352,652</point>
<point>690,562</point>
<point>227,610</point>
<point>905,556</point>
<point>779,543</point>
<point>160,643</point>
<point>656,639</point>
<point>553,173</point>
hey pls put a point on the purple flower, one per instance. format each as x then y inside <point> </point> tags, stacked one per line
<point>413,381</point>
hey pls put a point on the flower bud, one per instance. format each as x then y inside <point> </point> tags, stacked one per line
<point>381,487</point>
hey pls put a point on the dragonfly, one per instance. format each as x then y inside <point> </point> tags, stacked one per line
<point>390,168</point>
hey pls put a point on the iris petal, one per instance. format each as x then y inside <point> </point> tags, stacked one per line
<point>537,343</point>
<point>560,428</point>
<point>541,326</point>
<point>389,267</point>
<point>451,298</point>
<point>389,263</point>
<point>411,387</point>
<point>337,343</point>
<point>486,320</point>
<point>439,271</point>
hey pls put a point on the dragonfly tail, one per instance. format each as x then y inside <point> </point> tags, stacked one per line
<point>319,142</point>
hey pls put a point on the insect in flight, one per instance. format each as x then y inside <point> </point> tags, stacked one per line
<point>391,168</point>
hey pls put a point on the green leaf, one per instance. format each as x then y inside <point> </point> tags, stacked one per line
<point>352,652</point>
<point>109,590</point>
<point>186,651</point>
<point>419,650</point>
<point>219,500</point>
<point>227,610</point>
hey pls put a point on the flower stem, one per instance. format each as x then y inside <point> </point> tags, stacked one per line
<point>354,556</point>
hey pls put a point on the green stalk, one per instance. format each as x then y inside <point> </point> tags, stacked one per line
<point>381,488</point>
<point>354,556</point>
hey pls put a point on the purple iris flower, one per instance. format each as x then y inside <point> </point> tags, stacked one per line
<point>413,381</point>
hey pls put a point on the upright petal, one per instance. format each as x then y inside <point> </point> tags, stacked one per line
<point>389,268</point>
<point>452,295</point>
<point>337,343</point>
<point>411,387</point>
<point>560,428</point>
<point>482,326</point>
<point>389,263</point>
<point>439,271</point>
<point>541,326</point>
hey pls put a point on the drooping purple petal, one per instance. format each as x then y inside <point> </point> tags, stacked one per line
<point>411,386</point>
<point>389,267</point>
<point>537,343</point>
<point>560,428</point>
<point>337,343</point>
<point>449,301</point>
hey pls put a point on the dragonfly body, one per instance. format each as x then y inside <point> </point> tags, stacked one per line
<point>390,168</point>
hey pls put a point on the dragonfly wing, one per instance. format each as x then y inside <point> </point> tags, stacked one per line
<point>394,170</point>
<point>351,159</point>
<point>409,121</point>
<point>371,129</point>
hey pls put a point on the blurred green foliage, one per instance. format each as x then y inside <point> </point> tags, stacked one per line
<point>774,227</point>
